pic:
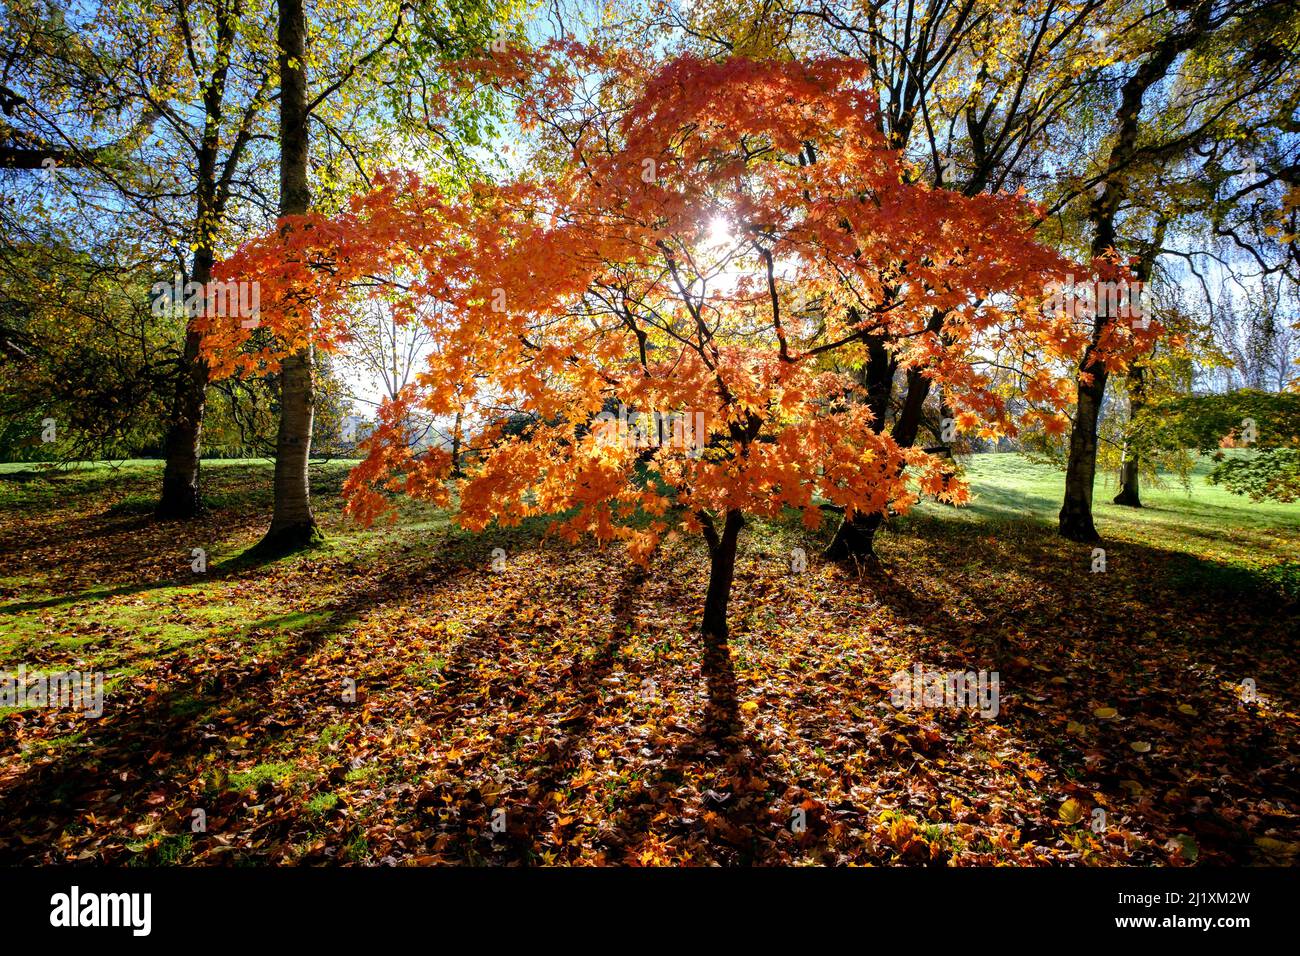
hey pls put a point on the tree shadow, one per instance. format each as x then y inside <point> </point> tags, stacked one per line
<point>722,713</point>
<point>1023,597</point>
<point>141,748</point>
<point>1069,642</point>
<point>582,681</point>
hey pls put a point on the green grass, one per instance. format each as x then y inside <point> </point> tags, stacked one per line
<point>147,465</point>
<point>259,775</point>
<point>1224,545</point>
<point>1008,486</point>
<point>322,803</point>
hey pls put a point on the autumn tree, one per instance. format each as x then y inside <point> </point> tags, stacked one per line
<point>694,238</point>
<point>1043,95</point>
<point>149,127</point>
<point>980,101</point>
<point>83,359</point>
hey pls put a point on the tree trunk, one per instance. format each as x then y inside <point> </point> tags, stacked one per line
<point>855,537</point>
<point>722,568</point>
<point>181,497</point>
<point>1075,519</point>
<point>183,443</point>
<point>719,676</point>
<point>293,526</point>
<point>455,449</point>
<point>1129,493</point>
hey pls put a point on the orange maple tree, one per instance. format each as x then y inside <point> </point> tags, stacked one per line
<point>715,242</point>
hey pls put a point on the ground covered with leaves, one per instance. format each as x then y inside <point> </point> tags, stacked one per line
<point>413,696</point>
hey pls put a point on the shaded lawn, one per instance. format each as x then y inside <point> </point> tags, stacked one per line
<point>563,695</point>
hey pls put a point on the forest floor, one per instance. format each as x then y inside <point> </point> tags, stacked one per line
<point>399,696</point>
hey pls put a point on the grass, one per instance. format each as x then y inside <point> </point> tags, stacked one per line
<point>1229,543</point>
<point>568,691</point>
<point>257,776</point>
<point>1009,486</point>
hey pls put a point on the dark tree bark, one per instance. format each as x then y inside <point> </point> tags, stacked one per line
<point>1075,519</point>
<point>455,448</point>
<point>855,537</point>
<point>719,676</point>
<point>183,442</point>
<point>293,526</point>
<point>1130,493</point>
<point>181,497</point>
<point>722,569</point>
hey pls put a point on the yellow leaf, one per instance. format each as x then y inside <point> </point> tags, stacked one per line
<point>1276,847</point>
<point>1071,811</point>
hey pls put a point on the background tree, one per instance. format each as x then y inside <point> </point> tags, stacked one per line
<point>1138,135</point>
<point>190,84</point>
<point>408,37</point>
<point>987,96</point>
<point>81,351</point>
